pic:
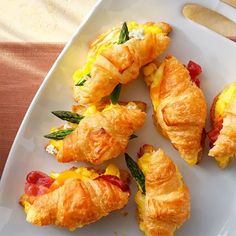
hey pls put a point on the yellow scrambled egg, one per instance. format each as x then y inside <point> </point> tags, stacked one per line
<point>193,161</point>
<point>100,45</point>
<point>143,163</point>
<point>224,99</point>
<point>26,206</point>
<point>155,86</point>
<point>222,161</point>
<point>83,173</point>
<point>90,110</point>
<point>140,200</point>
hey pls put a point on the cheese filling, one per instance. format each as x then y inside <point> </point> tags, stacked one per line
<point>156,78</point>
<point>143,163</point>
<point>54,146</point>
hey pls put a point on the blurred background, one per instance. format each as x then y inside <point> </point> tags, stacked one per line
<point>32,35</point>
<point>41,20</point>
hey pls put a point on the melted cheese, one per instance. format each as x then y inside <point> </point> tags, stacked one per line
<point>110,106</point>
<point>224,99</point>
<point>155,86</point>
<point>143,162</point>
<point>112,170</point>
<point>26,206</point>
<point>105,41</point>
<point>222,161</point>
<point>82,173</point>
<point>140,200</point>
<point>90,110</point>
<point>192,162</point>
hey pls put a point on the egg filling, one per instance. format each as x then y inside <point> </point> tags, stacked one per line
<point>156,85</point>
<point>106,40</point>
<point>224,99</point>
<point>143,163</point>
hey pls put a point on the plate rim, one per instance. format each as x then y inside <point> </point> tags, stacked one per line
<point>10,157</point>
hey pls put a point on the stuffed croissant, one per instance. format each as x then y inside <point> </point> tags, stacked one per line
<point>179,105</point>
<point>75,197</point>
<point>223,134</point>
<point>101,133</point>
<point>163,199</point>
<point>116,57</point>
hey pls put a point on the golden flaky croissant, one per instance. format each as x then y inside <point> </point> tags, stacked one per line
<point>164,201</point>
<point>73,198</point>
<point>223,133</point>
<point>111,62</point>
<point>179,105</point>
<point>100,135</point>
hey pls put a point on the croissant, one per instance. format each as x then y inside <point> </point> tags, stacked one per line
<point>109,63</point>
<point>165,205</point>
<point>179,106</point>
<point>73,198</point>
<point>223,133</point>
<point>100,135</point>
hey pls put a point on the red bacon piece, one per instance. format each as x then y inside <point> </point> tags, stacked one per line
<point>37,183</point>
<point>214,133</point>
<point>115,181</point>
<point>194,70</point>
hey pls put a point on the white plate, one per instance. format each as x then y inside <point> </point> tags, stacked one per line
<point>213,208</point>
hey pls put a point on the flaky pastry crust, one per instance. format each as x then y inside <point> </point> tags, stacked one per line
<point>181,110</point>
<point>76,203</point>
<point>225,145</point>
<point>167,199</point>
<point>103,135</point>
<point>120,64</point>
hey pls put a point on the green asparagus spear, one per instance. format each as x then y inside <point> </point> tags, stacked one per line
<point>59,135</point>
<point>115,94</point>
<point>124,34</point>
<point>136,172</point>
<point>132,136</point>
<point>69,116</point>
<point>81,82</point>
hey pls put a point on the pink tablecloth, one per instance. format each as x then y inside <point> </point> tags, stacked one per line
<point>22,69</point>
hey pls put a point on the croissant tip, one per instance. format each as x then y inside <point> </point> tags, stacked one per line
<point>146,148</point>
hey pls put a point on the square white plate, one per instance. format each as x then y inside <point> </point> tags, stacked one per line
<point>213,192</point>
